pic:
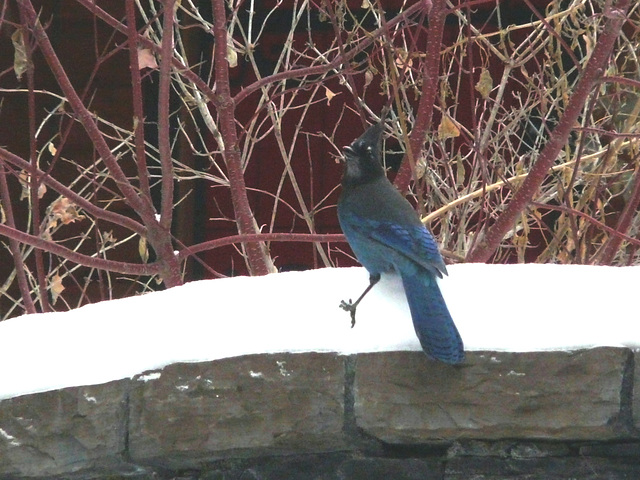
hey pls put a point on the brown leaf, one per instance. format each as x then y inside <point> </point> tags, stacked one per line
<point>25,182</point>
<point>447,128</point>
<point>108,239</point>
<point>20,60</point>
<point>65,210</point>
<point>146,59</point>
<point>329,94</point>
<point>485,84</point>
<point>232,55</point>
<point>143,249</point>
<point>368,77</point>
<point>56,287</point>
<point>421,167</point>
<point>403,61</point>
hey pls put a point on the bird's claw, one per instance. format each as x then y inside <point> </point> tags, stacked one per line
<point>351,308</point>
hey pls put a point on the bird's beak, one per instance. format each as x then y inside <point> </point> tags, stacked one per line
<point>347,151</point>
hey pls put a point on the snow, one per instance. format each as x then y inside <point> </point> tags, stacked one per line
<point>513,308</point>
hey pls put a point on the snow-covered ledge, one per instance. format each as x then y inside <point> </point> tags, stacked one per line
<point>265,376</point>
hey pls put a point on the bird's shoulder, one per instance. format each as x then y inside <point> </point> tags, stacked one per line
<point>379,200</point>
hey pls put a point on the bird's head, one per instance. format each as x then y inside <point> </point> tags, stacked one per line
<point>362,158</point>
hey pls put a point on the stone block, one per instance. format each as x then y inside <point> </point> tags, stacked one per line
<point>390,468</point>
<point>516,449</point>
<point>636,391</point>
<point>326,466</point>
<point>63,431</point>
<point>321,466</point>
<point>403,397</point>
<point>629,449</point>
<point>255,405</point>
<point>551,468</point>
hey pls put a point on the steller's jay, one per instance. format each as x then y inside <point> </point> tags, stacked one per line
<point>387,236</point>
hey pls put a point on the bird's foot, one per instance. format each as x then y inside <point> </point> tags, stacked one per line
<point>351,308</point>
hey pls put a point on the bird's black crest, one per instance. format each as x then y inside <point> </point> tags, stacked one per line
<point>363,156</point>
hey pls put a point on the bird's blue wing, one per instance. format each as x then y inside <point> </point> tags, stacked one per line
<point>405,242</point>
<point>412,241</point>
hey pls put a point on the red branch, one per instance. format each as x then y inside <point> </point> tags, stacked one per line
<point>155,268</point>
<point>14,247</point>
<point>262,237</point>
<point>160,231</point>
<point>256,253</point>
<point>34,183</point>
<point>430,75</point>
<point>136,91</point>
<point>164,133</point>
<point>79,258</point>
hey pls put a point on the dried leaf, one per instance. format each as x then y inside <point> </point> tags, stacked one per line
<point>560,194</point>
<point>65,210</point>
<point>366,4</point>
<point>447,128</point>
<point>146,59</point>
<point>421,167</point>
<point>20,60</point>
<point>232,55</point>
<point>403,61</point>
<point>570,244</point>
<point>52,148</point>
<point>368,77</point>
<point>445,91</point>
<point>108,239</point>
<point>56,287</point>
<point>461,171</point>
<point>485,84</point>
<point>143,249</point>
<point>25,182</point>
<point>329,94</point>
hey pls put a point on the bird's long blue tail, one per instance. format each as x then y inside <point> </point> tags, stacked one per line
<point>434,326</point>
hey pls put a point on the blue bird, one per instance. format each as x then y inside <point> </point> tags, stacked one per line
<point>387,236</point>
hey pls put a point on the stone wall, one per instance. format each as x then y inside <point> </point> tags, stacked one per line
<point>392,415</point>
